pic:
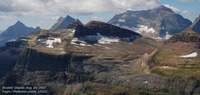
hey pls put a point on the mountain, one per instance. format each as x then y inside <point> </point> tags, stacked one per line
<point>187,35</point>
<point>15,31</point>
<point>178,59</point>
<point>157,22</point>
<point>196,25</point>
<point>67,63</point>
<point>97,28</point>
<point>63,23</point>
<point>61,57</point>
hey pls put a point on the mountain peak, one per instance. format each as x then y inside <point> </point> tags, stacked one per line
<point>68,17</point>
<point>164,8</point>
<point>61,18</point>
<point>19,23</point>
<point>157,22</point>
<point>64,23</point>
<point>37,28</point>
<point>94,23</point>
<point>15,31</point>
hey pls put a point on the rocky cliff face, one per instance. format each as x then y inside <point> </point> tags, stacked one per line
<point>8,56</point>
<point>34,60</point>
<point>34,63</point>
<point>96,28</point>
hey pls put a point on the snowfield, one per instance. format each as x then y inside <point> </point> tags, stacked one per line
<point>167,37</point>
<point>72,31</point>
<point>144,29</point>
<point>12,40</point>
<point>121,20</point>
<point>99,38</point>
<point>106,40</point>
<point>52,40</point>
<point>190,55</point>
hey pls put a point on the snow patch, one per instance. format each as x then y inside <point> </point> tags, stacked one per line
<point>98,45</point>
<point>143,63</point>
<point>12,40</point>
<point>26,40</point>
<point>72,32</point>
<point>158,38</point>
<point>107,48</point>
<point>165,67</point>
<point>125,15</point>
<point>76,41</point>
<point>144,29</point>
<point>190,55</point>
<point>99,38</point>
<point>164,38</point>
<point>121,20</point>
<point>106,40</point>
<point>139,29</point>
<point>168,36</point>
<point>82,44</point>
<point>52,40</point>
<point>62,51</point>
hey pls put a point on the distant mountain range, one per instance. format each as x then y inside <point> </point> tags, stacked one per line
<point>157,22</point>
<point>63,23</point>
<point>15,31</point>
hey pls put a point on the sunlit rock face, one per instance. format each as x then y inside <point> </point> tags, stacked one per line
<point>158,22</point>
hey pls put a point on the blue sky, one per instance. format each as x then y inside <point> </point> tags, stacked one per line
<point>44,13</point>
